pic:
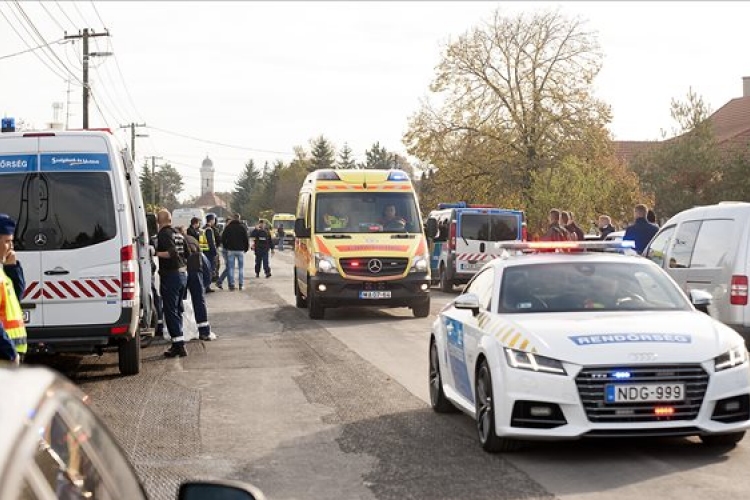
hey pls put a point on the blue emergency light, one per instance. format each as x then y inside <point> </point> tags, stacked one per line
<point>8,125</point>
<point>398,176</point>
<point>458,204</point>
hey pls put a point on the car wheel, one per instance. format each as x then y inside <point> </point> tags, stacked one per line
<point>445,285</point>
<point>129,356</point>
<point>730,439</point>
<point>485,414</point>
<point>301,301</point>
<point>438,401</point>
<point>315,310</point>
<point>421,309</point>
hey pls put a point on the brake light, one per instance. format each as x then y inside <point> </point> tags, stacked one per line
<point>128,266</point>
<point>452,236</point>
<point>118,330</point>
<point>738,291</point>
<point>524,233</point>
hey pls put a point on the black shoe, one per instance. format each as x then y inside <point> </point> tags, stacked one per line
<point>205,338</point>
<point>257,275</point>
<point>240,288</point>
<point>175,351</point>
<point>210,290</point>
<point>219,286</point>
<point>268,275</point>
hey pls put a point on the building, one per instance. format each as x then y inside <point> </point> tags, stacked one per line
<point>209,201</point>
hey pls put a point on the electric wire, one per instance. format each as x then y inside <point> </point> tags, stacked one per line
<point>208,141</point>
<point>8,56</point>
<point>50,15</point>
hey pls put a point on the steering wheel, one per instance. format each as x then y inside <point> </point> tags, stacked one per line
<point>630,300</point>
<point>395,224</point>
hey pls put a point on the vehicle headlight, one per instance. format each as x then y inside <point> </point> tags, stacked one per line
<point>325,264</point>
<point>420,264</point>
<point>527,361</point>
<point>733,357</point>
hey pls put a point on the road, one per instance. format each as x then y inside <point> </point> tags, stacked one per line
<point>338,408</point>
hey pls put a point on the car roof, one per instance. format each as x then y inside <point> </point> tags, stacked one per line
<point>565,257</point>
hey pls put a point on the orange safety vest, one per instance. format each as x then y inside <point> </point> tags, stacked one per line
<point>11,315</point>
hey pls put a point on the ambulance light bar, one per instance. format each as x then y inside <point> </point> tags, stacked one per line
<point>398,175</point>
<point>566,245</point>
<point>327,175</point>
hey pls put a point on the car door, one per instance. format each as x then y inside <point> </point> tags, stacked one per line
<point>681,252</point>
<point>659,247</point>
<point>478,230</point>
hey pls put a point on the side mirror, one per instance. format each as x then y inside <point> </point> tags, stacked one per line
<point>219,490</point>
<point>701,299</point>
<point>300,230</point>
<point>467,301</point>
<point>431,229</point>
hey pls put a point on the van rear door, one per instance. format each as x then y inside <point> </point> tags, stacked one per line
<point>79,232</point>
<point>476,234</point>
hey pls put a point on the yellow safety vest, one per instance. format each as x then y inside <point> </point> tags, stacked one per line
<point>203,242</point>
<point>11,315</point>
<point>335,222</point>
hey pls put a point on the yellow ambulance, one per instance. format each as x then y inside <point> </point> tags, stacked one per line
<point>359,242</point>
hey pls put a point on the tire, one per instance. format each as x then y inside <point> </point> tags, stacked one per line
<point>438,401</point>
<point>421,309</point>
<point>301,302</point>
<point>129,356</point>
<point>314,309</point>
<point>485,414</point>
<point>445,285</point>
<point>728,440</point>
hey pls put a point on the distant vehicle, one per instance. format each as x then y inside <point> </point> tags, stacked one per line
<point>183,216</point>
<point>83,239</point>
<point>287,221</point>
<point>54,446</point>
<point>614,236</point>
<point>708,248</point>
<point>574,344</point>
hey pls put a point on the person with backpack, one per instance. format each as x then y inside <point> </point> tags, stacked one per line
<point>196,269</point>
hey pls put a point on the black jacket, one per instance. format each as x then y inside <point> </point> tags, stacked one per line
<point>263,241</point>
<point>234,237</point>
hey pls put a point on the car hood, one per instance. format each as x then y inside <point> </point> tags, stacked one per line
<point>611,337</point>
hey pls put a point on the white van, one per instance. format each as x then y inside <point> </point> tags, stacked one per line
<point>82,240</point>
<point>706,248</point>
<point>183,216</point>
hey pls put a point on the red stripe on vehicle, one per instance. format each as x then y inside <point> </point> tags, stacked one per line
<point>69,289</point>
<point>55,290</point>
<point>82,288</point>
<point>46,294</point>
<point>30,288</point>
<point>117,283</point>
<point>38,294</point>
<point>96,288</point>
<point>106,285</point>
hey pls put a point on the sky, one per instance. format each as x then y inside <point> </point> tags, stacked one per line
<point>264,77</point>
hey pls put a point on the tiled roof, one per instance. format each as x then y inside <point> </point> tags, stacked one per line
<point>626,151</point>
<point>732,119</point>
<point>210,200</point>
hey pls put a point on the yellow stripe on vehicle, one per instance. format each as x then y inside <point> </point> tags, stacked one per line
<point>515,339</point>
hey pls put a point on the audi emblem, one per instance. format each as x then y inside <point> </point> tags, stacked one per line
<point>40,240</point>
<point>375,266</point>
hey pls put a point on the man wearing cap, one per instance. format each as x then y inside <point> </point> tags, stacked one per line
<point>11,288</point>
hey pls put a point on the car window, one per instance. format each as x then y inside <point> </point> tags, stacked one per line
<point>684,242</point>
<point>489,227</point>
<point>588,287</point>
<point>710,247</point>
<point>657,250</point>
<point>482,286</point>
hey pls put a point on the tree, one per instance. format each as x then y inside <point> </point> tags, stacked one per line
<point>517,99</point>
<point>148,188</point>
<point>345,160</point>
<point>322,153</point>
<point>169,184</point>
<point>244,189</point>
<point>377,157</point>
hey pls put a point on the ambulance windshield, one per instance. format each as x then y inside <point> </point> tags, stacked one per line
<point>367,213</point>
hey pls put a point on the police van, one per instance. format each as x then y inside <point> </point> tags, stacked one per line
<point>359,241</point>
<point>82,239</point>
<point>462,239</point>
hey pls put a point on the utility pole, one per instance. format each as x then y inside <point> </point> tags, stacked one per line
<point>85,36</point>
<point>133,135</point>
<point>153,178</point>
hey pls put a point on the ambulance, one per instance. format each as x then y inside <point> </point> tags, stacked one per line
<point>287,221</point>
<point>82,239</point>
<point>462,239</point>
<point>360,242</point>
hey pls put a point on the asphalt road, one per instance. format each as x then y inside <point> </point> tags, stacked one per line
<point>337,408</point>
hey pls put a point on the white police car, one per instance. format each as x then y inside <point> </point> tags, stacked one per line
<point>586,344</point>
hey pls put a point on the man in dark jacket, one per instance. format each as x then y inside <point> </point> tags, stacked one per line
<point>605,226</point>
<point>262,244</point>
<point>566,218</point>
<point>234,239</point>
<point>173,252</point>
<point>194,230</point>
<point>555,232</point>
<point>195,286</point>
<point>642,230</point>
<point>211,252</point>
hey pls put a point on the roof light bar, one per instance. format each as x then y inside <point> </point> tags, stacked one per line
<point>458,204</point>
<point>565,245</point>
<point>398,175</point>
<point>327,175</point>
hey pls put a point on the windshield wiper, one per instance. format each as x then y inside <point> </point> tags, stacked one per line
<point>337,236</point>
<point>405,236</point>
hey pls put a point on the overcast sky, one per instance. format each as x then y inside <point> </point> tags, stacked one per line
<point>267,76</point>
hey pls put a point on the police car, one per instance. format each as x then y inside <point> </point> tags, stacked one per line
<point>576,344</point>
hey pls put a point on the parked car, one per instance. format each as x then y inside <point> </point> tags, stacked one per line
<point>54,446</point>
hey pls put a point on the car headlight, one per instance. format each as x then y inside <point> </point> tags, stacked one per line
<point>527,361</point>
<point>325,264</point>
<point>733,357</point>
<point>420,264</point>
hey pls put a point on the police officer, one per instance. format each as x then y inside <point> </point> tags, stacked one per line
<point>11,289</point>
<point>196,273</point>
<point>172,251</point>
<point>208,247</point>
<point>262,244</point>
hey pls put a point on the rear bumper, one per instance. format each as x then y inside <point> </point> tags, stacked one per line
<point>81,338</point>
<point>342,292</point>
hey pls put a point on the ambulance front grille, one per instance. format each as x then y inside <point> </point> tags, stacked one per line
<point>592,383</point>
<point>374,266</point>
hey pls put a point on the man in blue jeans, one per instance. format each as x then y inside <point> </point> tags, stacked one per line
<point>172,251</point>
<point>262,244</point>
<point>234,239</point>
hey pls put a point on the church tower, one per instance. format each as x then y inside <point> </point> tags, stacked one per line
<point>207,176</point>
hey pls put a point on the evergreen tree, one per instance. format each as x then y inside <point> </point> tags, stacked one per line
<point>322,153</point>
<point>377,157</point>
<point>244,188</point>
<point>148,190</point>
<point>168,185</point>
<point>346,161</point>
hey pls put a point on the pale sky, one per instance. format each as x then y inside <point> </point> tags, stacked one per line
<point>267,76</point>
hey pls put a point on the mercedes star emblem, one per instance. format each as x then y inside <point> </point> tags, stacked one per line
<point>375,266</point>
<point>40,240</point>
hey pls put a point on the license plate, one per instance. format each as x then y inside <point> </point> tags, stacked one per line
<point>644,393</point>
<point>367,294</point>
<point>27,317</point>
<point>470,267</point>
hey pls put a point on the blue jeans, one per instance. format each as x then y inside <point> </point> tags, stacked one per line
<point>281,243</point>
<point>261,257</point>
<point>172,288</point>
<point>238,257</point>
<point>225,273</point>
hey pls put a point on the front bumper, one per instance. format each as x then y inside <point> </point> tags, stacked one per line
<point>573,421</point>
<point>341,291</point>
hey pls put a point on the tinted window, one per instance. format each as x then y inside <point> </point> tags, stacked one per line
<point>489,227</point>
<point>365,212</point>
<point>59,210</point>
<point>482,286</point>
<point>657,250</point>
<point>710,248</point>
<point>683,244</point>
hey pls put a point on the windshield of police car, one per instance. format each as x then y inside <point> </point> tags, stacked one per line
<point>588,286</point>
<point>367,212</point>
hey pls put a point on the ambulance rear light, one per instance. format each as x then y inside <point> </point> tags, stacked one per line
<point>327,175</point>
<point>397,175</point>
<point>738,291</point>
<point>452,236</point>
<point>128,265</point>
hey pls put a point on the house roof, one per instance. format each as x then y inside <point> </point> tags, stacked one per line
<point>210,200</point>
<point>626,151</point>
<point>731,120</point>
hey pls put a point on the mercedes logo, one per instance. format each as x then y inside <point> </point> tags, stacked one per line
<point>375,266</point>
<point>40,240</point>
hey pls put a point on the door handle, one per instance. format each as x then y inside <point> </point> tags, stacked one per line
<point>481,247</point>
<point>56,272</point>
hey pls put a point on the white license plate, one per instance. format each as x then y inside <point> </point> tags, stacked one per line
<point>366,294</point>
<point>644,393</point>
<point>27,317</point>
<point>465,266</point>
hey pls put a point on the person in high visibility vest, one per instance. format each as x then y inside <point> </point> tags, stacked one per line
<point>11,288</point>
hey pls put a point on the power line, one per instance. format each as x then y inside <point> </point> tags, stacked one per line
<point>50,15</point>
<point>65,14</point>
<point>207,141</point>
<point>97,14</point>
<point>31,49</point>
